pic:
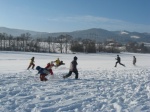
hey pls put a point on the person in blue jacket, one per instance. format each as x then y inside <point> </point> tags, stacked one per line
<point>43,72</point>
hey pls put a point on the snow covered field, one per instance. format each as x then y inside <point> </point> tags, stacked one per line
<point>101,87</point>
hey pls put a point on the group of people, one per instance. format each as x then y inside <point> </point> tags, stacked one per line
<point>58,63</point>
<point>119,61</point>
<point>73,67</point>
<point>48,69</point>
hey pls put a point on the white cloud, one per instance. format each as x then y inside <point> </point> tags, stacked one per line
<point>87,18</point>
<point>101,22</point>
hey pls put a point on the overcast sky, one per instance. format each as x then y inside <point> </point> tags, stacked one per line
<point>71,15</point>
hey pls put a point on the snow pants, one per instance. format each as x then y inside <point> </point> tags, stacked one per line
<point>119,63</point>
<point>51,72</point>
<point>70,72</point>
<point>42,77</point>
<point>31,64</point>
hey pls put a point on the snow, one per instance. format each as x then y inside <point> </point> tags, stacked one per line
<point>136,37</point>
<point>101,87</point>
<point>123,32</point>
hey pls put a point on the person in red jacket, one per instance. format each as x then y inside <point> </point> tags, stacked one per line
<point>49,67</point>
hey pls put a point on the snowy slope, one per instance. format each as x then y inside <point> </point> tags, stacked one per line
<point>101,87</point>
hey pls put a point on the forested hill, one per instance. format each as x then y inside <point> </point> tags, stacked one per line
<point>94,33</point>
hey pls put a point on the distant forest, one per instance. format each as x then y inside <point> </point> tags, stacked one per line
<point>66,44</point>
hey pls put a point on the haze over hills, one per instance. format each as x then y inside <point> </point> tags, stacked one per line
<point>18,32</point>
<point>94,33</point>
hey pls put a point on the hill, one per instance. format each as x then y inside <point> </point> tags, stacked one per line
<point>94,33</point>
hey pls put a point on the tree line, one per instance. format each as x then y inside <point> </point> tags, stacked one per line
<point>62,43</point>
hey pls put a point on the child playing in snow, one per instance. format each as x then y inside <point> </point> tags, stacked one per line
<point>58,62</point>
<point>49,67</point>
<point>43,72</point>
<point>119,61</point>
<point>73,68</point>
<point>134,60</point>
<point>31,63</point>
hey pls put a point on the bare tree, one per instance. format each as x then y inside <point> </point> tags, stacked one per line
<point>23,38</point>
<point>10,40</point>
<point>60,40</point>
<point>4,40</point>
<point>54,44</point>
<point>67,39</point>
<point>76,46</point>
<point>37,45</point>
<point>1,41</point>
<point>17,47</point>
<point>26,39</point>
<point>49,41</point>
<point>99,46</point>
<point>89,46</point>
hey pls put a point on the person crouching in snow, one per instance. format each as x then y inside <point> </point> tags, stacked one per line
<point>49,67</point>
<point>43,72</point>
<point>73,68</point>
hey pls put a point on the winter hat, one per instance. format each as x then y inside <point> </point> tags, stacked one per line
<point>38,68</point>
<point>75,58</point>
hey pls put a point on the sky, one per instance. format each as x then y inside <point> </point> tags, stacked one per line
<point>71,15</point>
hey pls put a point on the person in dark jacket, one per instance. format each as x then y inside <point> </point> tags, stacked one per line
<point>73,68</point>
<point>43,72</point>
<point>119,61</point>
<point>134,60</point>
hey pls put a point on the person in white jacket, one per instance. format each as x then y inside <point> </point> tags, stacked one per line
<point>73,68</point>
